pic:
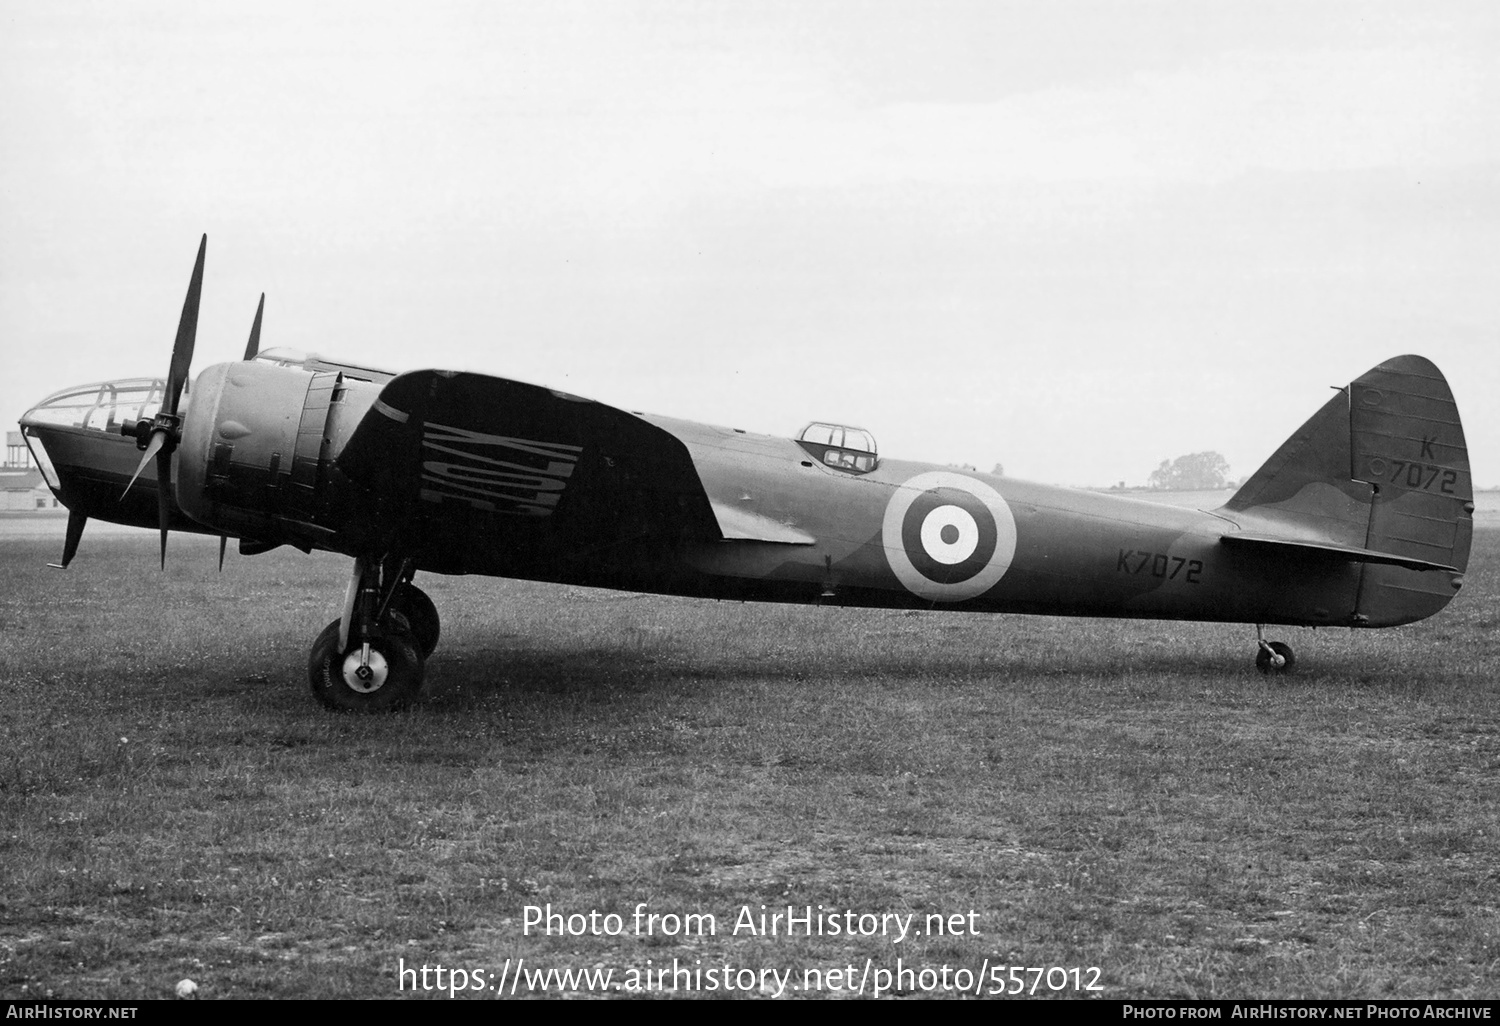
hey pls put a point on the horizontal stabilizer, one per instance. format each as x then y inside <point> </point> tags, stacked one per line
<point>742,525</point>
<point>1349,553</point>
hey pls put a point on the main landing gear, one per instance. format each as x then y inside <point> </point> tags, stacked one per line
<point>1274,656</point>
<point>373,658</point>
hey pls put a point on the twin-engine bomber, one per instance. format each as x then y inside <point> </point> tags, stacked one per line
<point>1363,517</point>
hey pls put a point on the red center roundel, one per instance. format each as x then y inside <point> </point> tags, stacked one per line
<point>948,537</point>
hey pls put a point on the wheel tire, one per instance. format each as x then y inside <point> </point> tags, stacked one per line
<point>395,660</point>
<point>1281,648</point>
<point>422,614</point>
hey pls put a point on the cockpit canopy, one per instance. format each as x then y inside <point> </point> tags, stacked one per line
<point>104,406</point>
<point>840,447</point>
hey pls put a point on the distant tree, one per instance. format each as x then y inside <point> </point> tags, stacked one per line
<point>1195,472</point>
<point>999,470</point>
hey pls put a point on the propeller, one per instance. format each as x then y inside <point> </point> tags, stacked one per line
<point>254,345</point>
<point>159,436</point>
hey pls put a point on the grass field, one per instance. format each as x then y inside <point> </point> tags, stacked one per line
<point>1131,796</point>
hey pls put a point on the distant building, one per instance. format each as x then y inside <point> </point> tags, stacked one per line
<point>17,456</point>
<point>21,486</point>
<point>25,491</point>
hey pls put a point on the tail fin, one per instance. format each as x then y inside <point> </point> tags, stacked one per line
<point>1380,477</point>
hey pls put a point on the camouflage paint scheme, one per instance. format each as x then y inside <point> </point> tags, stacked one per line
<point>1362,518</point>
<point>693,509</point>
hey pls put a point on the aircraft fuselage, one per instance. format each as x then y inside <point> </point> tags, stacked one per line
<point>1362,518</point>
<point>904,534</point>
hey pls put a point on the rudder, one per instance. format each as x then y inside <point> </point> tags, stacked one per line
<point>1382,473</point>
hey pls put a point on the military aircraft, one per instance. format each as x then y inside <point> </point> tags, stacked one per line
<point>1363,517</point>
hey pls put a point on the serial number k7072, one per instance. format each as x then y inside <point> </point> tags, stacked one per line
<point>1160,564</point>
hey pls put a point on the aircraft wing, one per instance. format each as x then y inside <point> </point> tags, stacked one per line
<point>480,471</point>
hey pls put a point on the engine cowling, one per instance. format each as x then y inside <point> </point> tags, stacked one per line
<point>257,450</point>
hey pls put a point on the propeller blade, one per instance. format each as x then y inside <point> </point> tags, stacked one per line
<point>254,346</point>
<point>158,439</point>
<point>187,333</point>
<point>76,520</point>
<point>163,499</point>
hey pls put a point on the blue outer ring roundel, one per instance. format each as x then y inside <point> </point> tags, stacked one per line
<point>948,537</point>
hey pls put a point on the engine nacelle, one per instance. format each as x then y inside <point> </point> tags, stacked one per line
<point>257,447</point>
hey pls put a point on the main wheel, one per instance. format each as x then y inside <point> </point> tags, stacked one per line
<point>391,680</point>
<point>1265,664</point>
<point>412,602</point>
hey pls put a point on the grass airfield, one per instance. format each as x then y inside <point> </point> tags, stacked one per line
<point>1130,796</point>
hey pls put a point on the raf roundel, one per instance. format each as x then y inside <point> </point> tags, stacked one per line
<point>948,537</point>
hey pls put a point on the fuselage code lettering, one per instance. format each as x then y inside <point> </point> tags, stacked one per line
<point>527,482</point>
<point>1417,476</point>
<point>1160,564</point>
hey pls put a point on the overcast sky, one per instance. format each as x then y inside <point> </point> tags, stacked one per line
<point>1073,238</point>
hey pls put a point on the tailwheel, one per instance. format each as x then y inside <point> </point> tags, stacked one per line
<point>382,674</point>
<point>413,603</point>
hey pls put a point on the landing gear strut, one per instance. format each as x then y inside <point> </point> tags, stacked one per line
<point>1274,656</point>
<point>373,658</point>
